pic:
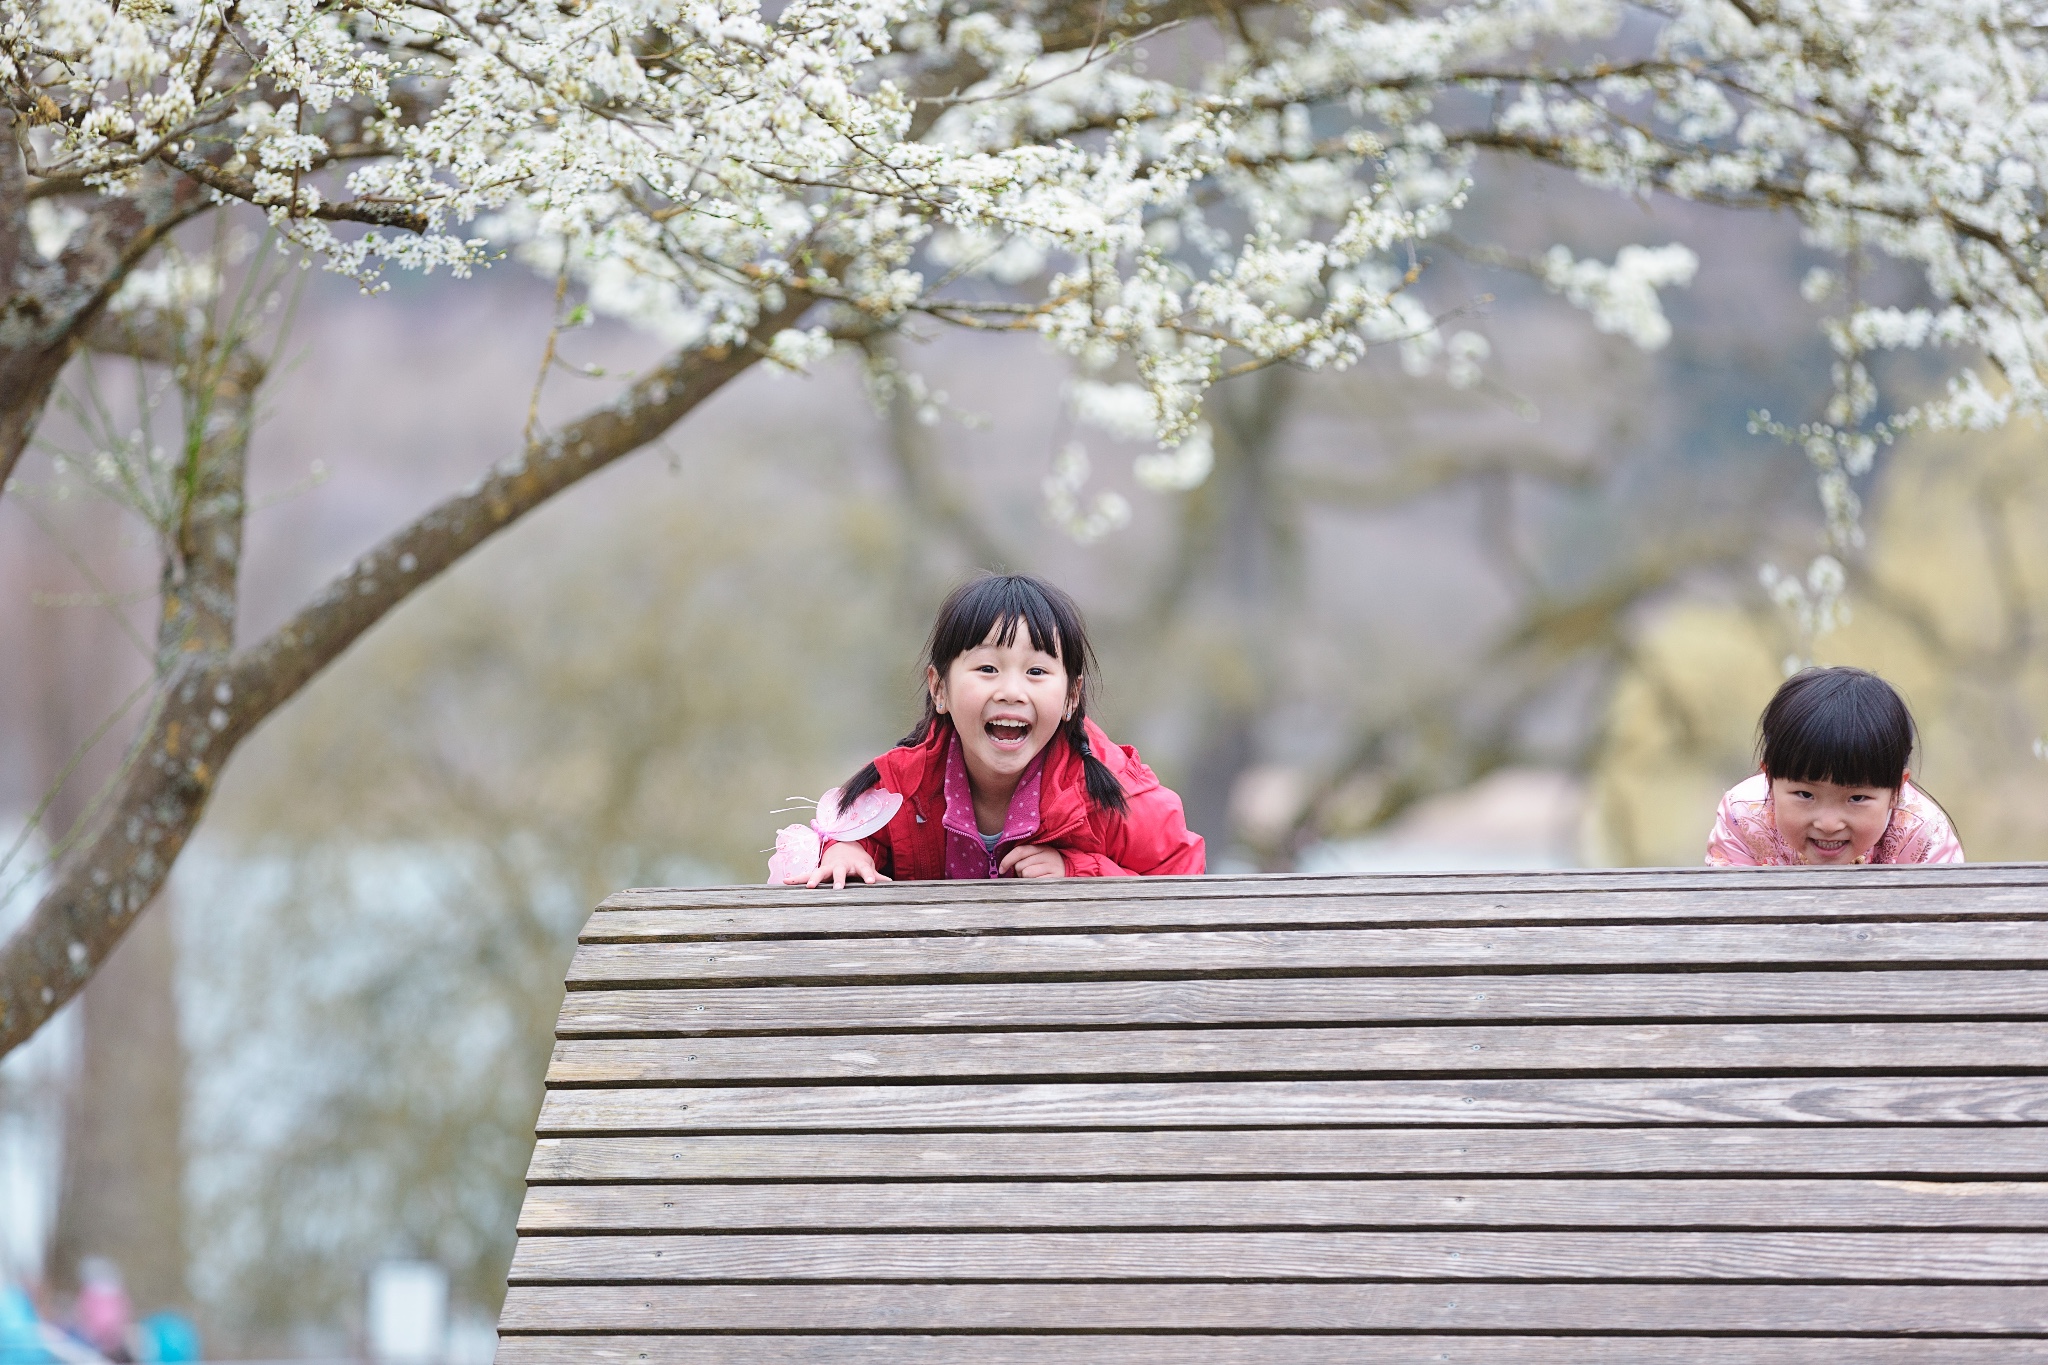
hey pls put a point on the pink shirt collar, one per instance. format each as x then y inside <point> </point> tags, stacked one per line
<point>967,856</point>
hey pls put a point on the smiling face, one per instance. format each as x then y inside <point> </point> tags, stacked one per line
<point>1827,823</point>
<point>1006,701</point>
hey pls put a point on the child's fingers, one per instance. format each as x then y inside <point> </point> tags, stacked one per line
<point>817,875</point>
<point>839,876</point>
<point>869,875</point>
<point>1013,857</point>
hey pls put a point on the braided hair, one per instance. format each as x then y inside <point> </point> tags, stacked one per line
<point>998,604</point>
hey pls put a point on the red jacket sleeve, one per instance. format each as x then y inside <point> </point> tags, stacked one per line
<point>1152,840</point>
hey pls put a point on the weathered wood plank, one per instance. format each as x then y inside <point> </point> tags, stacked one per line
<point>704,1010</point>
<point>1291,1104</point>
<point>1985,1205</point>
<point>1359,905</point>
<point>1319,1349</point>
<point>1270,1053</point>
<point>1792,881</point>
<point>1247,953</point>
<point>1673,1151</point>
<point>1918,1257</point>
<point>2002,1310</point>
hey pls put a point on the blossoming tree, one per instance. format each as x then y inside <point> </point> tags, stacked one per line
<point>1187,188</point>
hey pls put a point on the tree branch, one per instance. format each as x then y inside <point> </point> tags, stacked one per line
<point>41,325</point>
<point>208,701</point>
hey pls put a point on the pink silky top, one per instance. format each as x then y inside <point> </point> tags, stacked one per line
<point>1746,830</point>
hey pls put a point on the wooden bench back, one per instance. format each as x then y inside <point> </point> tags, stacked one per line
<point>1760,1118</point>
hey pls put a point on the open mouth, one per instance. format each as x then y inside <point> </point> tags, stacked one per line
<point>1008,733</point>
<point>1828,845</point>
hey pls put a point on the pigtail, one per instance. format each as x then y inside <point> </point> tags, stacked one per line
<point>1104,791</point>
<point>870,777</point>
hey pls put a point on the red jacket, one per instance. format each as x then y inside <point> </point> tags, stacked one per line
<point>1152,840</point>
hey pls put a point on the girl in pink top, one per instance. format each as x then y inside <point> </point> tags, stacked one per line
<point>1835,789</point>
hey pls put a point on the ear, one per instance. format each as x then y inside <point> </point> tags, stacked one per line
<point>936,686</point>
<point>1073,696</point>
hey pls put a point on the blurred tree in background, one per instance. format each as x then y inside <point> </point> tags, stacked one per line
<point>387,906</point>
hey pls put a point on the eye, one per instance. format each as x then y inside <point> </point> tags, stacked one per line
<point>1859,796</point>
<point>984,668</point>
<point>1802,794</point>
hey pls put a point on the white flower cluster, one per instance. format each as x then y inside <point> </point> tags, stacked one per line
<point>1256,196</point>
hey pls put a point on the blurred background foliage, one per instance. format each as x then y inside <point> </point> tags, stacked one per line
<point>1403,623</point>
<point>1951,605</point>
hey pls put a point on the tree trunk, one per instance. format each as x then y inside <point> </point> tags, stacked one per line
<point>123,1192</point>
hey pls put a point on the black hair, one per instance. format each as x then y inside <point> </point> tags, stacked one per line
<point>1000,604</point>
<point>1840,725</point>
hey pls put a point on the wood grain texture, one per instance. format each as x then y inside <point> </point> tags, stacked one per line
<point>1517,1048</point>
<point>826,916</point>
<point>1773,1117</point>
<point>1295,1104</point>
<point>1788,882</point>
<point>1267,1350</point>
<point>1919,1257</point>
<point>1839,1150</point>
<point>1989,1310</point>
<point>705,1010</point>
<point>1083,1204</point>
<point>1254,952</point>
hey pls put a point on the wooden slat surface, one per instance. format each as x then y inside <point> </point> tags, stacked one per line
<point>1526,1048</point>
<point>1990,1310</point>
<point>1297,1104</point>
<point>1269,1155</point>
<point>1077,1204</point>
<point>1388,999</point>
<point>1793,885</point>
<point>1256,952</point>
<point>1918,1257</point>
<point>1319,1349</point>
<point>838,916</point>
<point>1774,1117</point>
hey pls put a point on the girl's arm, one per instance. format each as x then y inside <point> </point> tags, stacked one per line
<point>1153,840</point>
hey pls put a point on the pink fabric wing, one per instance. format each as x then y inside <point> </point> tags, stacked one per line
<point>873,809</point>
<point>796,853</point>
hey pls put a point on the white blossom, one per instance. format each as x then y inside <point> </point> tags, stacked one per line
<point>1086,520</point>
<point>690,163</point>
<point>1623,297</point>
<point>1185,466</point>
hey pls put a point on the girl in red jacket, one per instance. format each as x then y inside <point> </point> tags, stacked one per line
<point>1005,776</point>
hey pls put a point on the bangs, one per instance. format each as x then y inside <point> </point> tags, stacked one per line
<point>1838,725</point>
<point>1001,605</point>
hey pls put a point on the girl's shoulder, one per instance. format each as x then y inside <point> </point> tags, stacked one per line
<point>1920,832</point>
<point>1745,830</point>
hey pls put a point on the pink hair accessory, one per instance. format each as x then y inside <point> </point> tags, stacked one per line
<point>798,847</point>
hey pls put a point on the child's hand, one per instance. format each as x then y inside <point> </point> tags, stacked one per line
<point>1033,860</point>
<point>840,862</point>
